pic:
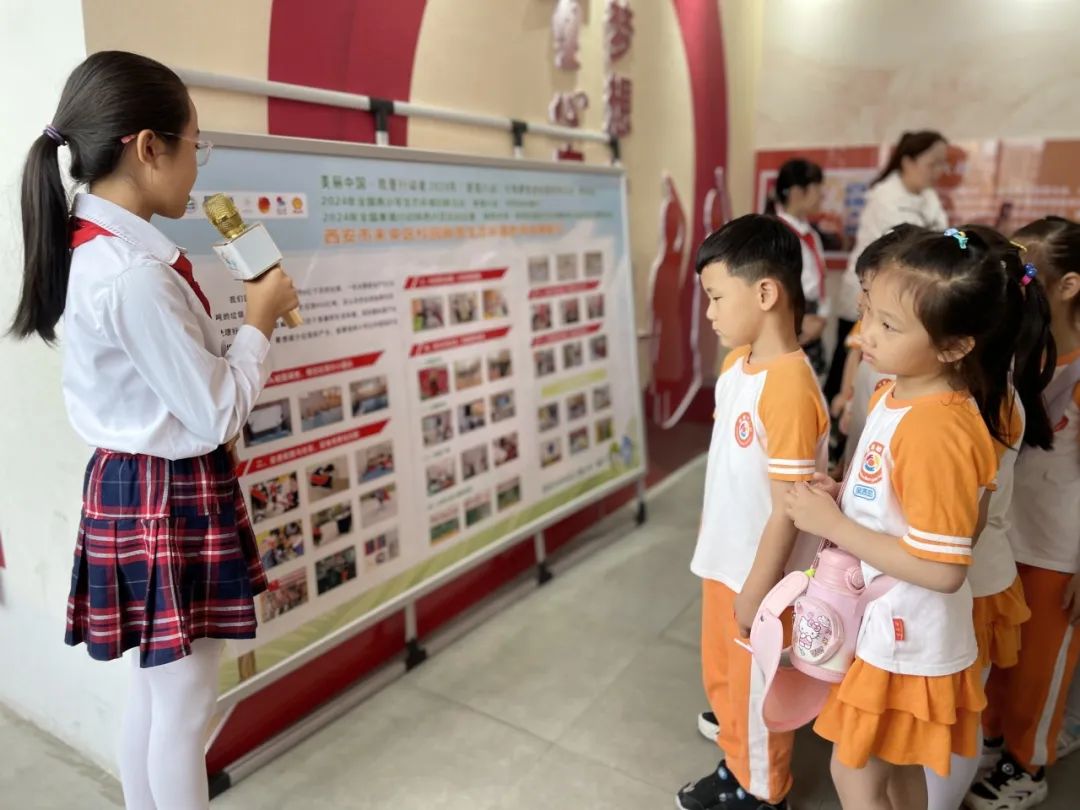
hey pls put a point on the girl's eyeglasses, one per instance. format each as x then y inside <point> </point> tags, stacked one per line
<point>202,148</point>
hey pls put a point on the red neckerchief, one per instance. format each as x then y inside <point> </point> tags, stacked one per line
<point>808,240</point>
<point>82,231</point>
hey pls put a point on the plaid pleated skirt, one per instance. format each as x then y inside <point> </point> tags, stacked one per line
<point>165,555</point>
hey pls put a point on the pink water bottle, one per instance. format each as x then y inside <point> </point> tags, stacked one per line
<point>827,617</point>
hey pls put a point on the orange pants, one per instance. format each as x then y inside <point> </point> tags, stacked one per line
<point>758,758</point>
<point>1027,702</point>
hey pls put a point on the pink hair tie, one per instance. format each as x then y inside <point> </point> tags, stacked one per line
<point>128,139</point>
<point>1029,274</point>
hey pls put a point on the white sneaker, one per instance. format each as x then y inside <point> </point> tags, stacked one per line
<point>708,726</point>
<point>1069,738</point>
<point>1007,787</point>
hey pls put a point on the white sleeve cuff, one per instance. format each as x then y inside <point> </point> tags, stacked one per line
<point>251,341</point>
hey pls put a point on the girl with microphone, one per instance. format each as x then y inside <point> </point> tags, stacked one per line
<point>166,564</point>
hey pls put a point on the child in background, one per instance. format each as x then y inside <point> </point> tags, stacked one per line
<point>770,430</point>
<point>796,198</point>
<point>1027,702</point>
<point>860,378</point>
<point>998,594</point>
<point>909,509</point>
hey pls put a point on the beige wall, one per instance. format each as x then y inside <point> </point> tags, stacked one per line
<point>463,59</point>
<point>231,38</point>
<point>741,22</point>
<point>852,71</point>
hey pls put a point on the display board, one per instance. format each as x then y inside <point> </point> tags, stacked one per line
<point>465,375</point>
<point>1002,183</point>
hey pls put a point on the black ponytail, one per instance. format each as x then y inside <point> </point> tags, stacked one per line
<point>795,173</point>
<point>1023,334</point>
<point>961,290</point>
<point>110,95</point>
<point>910,145</point>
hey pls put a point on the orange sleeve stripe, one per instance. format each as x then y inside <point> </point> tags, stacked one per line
<point>791,477</point>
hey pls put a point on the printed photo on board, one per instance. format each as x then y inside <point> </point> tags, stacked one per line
<point>434,382</point>
<point>571,311</point>
<point>539,270</point>
<point>369,396</point>
<point>508,493</point>
<point>464,308</point>
<point>566,267</point>
<point>495,305</point>
<point>381,549</point>
<point>545,362</point>
<point>445,523</point>
<point>474,461</point>
<point>472,416</point>
<point>291,593</point>
<point>327,525</point>
<point>375,461</point>
<point>436,428</point>
<point>378,505</point>
<point>427,313</point>
<point>541,316</point>
<point>282,544</point>
<point>335,570</point>
<point>440,476</point>
<point>502,406</point>
<point>268,422</point>
<point>594,307</point>
<point>576,407</point>
<point>468,373</point>
<point>573,354</point>
<point>275,497</point>
<point>594,264</point>
<point>579,440</point>
<point>321,408</point>
<point>327,478</point>
<point>477,508</point>
<point>550,452</point>
<point>500,365</point>
<point>504,449</point>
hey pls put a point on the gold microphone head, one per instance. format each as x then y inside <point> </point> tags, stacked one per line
<point>223,215</point>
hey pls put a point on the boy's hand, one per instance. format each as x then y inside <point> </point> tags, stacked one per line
<point>812,510</point>
<point>1071,603</point>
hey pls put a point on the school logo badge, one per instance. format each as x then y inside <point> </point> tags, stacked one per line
<point>744,429</point>
<point>870,471</point>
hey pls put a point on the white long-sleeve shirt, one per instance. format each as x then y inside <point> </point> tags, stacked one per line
<point>142,370</point>
<point>888,204</point>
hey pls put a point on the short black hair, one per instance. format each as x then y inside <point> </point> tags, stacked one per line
<point>758,246</point>
<point>884,248</point>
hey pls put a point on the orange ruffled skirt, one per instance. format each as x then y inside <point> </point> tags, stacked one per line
<point>997,621</point>
<point>903,719</point>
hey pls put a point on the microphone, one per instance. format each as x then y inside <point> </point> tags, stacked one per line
<point>248,251</point>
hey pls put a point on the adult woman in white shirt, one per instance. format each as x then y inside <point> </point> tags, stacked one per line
<point>902,192</point>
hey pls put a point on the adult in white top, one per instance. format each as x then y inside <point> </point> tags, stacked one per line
<point>796,198</point>
<point>902,192</point>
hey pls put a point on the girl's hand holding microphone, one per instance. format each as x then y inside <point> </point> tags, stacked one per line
<point>269,297</point>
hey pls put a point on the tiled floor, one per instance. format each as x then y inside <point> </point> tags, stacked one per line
<point>583,696</point>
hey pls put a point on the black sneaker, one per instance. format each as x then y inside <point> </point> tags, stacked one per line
<point>1007,787</point>
<point>720,791</point>
<point>708,725</point>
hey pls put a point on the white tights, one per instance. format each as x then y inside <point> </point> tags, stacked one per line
<point>947,793</point>
<point>163,748</point>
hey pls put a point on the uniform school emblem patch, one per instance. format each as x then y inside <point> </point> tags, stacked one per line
<point>744,430</point>
<point>870,471</point>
